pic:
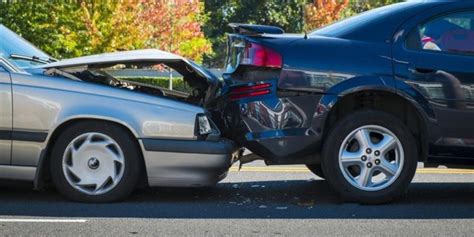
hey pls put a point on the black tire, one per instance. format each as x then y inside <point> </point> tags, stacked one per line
<point>335,176</point>
<point>131,154</point>
<point>317,169</point>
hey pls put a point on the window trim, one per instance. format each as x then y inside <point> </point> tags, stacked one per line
<point>417,28</point>
<point>5,64</point>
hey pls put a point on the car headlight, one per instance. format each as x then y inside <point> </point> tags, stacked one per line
<point>203,125</point>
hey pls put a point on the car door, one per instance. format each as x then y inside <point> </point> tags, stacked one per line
<point>5,115</point>
<point>437,60</point>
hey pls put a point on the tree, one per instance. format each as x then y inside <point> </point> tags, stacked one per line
<point>323,12</point>
<point>175,26</point>
<point>113,26</point>
<point>84,27</point>
<point>52,27</point>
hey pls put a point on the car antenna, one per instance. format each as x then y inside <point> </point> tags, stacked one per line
<point>305,34</point>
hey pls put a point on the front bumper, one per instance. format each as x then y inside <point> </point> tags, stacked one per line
<point>181,163</point>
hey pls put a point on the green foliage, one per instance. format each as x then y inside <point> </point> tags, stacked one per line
<point>67,29</point>
<point>53,27</point>
<point>175,26</point>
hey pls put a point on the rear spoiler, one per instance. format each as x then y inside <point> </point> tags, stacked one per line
<point>249,29</point>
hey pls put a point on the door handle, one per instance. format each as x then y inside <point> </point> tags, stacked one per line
<point>422,70</point>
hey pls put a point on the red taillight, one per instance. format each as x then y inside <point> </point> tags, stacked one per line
<point>250,91</point>
<point>260,56</point>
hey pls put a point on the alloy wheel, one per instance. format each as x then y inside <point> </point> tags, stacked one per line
<point>371,158</point>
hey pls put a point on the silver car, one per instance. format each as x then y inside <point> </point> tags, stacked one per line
<point>81,124</point>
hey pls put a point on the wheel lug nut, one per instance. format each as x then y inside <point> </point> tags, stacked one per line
<point>363,158</point>
<point>377,153</point>
<point>369,165</point>
<point>377,162</point>
<point>368,150</point>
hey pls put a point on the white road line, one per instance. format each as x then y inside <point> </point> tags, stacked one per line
<point>44,220</point>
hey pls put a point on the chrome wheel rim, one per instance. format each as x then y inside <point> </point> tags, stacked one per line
<point>93,163</point>
<point>371,158</point>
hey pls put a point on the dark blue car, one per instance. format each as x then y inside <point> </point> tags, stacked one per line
<point>361,101</point>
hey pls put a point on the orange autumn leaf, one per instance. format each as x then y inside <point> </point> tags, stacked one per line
<point>322,12</point>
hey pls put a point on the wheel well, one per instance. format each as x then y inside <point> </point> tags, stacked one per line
<point>387,102</point>
<point>44,176</point>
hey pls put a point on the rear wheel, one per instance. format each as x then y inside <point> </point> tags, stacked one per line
<point>370,157</point>
<point>95,162</point>
<point>317,170</point>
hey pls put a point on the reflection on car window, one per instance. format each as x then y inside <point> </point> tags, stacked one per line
<point>452,33</point>
<point>2,69</point>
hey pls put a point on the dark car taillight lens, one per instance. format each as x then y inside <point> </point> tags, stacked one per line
<point>250,91</point>
<point>260,56</point>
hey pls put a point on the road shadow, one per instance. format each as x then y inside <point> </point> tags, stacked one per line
<point>296,199</point>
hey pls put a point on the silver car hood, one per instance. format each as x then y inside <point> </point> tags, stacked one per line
<point>143,55</point>
<point>115,57</point>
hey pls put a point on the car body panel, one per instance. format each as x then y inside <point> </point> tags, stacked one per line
<point>5,117</point>
<point>275,128</point>
<point>446,86</point>
<point>176,163</point>
<point>24,173</point>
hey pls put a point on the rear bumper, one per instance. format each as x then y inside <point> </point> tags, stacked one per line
<point>179,163</point>
<point>282,130</point>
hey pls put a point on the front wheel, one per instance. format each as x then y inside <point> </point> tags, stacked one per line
<point>95,162</point>
<point>370,157</point>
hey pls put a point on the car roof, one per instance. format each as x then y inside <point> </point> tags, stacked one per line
<point>378,25</point>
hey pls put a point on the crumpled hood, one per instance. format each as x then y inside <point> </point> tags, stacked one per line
<point>116,57</point>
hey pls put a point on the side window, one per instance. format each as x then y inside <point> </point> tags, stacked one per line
<point>452,33</point>
<point>2,69</point>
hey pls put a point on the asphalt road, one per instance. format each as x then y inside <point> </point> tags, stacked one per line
<point>257,201</point>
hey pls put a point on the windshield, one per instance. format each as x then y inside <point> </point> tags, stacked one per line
<point>348,25</point>
<point>13,44</point>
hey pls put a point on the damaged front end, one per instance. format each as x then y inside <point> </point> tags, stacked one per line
<point>143,71</point>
